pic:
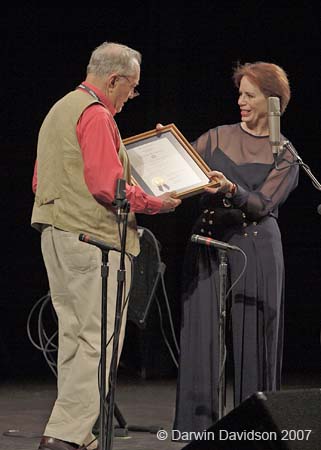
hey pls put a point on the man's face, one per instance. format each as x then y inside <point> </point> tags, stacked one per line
<point>124,88</point>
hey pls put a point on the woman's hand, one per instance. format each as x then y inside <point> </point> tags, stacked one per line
<point>225,185</point>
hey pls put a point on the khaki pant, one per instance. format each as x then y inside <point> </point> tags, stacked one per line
<point>74,272</point>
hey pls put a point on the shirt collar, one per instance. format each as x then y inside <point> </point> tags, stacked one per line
<point>102,97</point>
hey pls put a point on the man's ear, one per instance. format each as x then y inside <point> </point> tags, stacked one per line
<point>112,80</point>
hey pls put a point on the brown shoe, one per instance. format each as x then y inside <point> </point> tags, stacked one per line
<point>50,443</point>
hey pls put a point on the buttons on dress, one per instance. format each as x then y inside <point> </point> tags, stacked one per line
<point>207,222</point>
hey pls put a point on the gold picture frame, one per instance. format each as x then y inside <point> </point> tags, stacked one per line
<point>164,161</point>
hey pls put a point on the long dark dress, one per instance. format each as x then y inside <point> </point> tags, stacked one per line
<point>256,302</point>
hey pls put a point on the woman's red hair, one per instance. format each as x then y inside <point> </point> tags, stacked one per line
<point>270,78</point>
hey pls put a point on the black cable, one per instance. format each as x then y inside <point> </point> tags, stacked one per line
<point>226,297</point>
<point>164,291</point>
<point>163,333</point>
<point>239,276</point>
<point>44,341</point>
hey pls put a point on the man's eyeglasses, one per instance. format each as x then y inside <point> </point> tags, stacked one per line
<point>134,93</point>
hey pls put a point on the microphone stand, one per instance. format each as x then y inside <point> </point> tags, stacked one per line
<point>104,275</point>
<point>222,247</point>
<point>103,330</point>
<point>222,324</point>
<point>304,166</point>
<point>123,210</point>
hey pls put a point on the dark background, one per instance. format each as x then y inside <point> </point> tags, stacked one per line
<point>188,56</point>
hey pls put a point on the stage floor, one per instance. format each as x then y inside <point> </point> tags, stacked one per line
<point>147,404</point>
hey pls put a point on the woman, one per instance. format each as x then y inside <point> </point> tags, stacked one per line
<point>243,211</point>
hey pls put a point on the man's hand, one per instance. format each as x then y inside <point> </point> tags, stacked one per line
<point>169,202</point>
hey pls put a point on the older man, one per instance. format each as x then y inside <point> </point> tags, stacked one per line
<point>80,157</point>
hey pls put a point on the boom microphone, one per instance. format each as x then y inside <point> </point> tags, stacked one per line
<point>274,125</point>
<point>213,243</point>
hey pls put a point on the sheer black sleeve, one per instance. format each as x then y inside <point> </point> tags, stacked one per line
<point>272,193</point>
<point>243,149</point>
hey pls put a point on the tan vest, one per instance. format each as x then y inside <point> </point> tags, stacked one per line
<point>62,198</point>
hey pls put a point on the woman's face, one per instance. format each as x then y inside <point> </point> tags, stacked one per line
<point>252,103</point>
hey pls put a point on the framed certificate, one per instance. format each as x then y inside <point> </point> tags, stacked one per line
<point>164,161</point>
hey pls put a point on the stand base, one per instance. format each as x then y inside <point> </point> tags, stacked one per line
<point>120,432</point>
<point>153,429</point>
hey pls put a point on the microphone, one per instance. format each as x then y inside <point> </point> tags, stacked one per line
<point>319,209</point>
<point>274,125</point>
<point>213,243</point>
<point>120,195</point>
<point>93,241</point>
